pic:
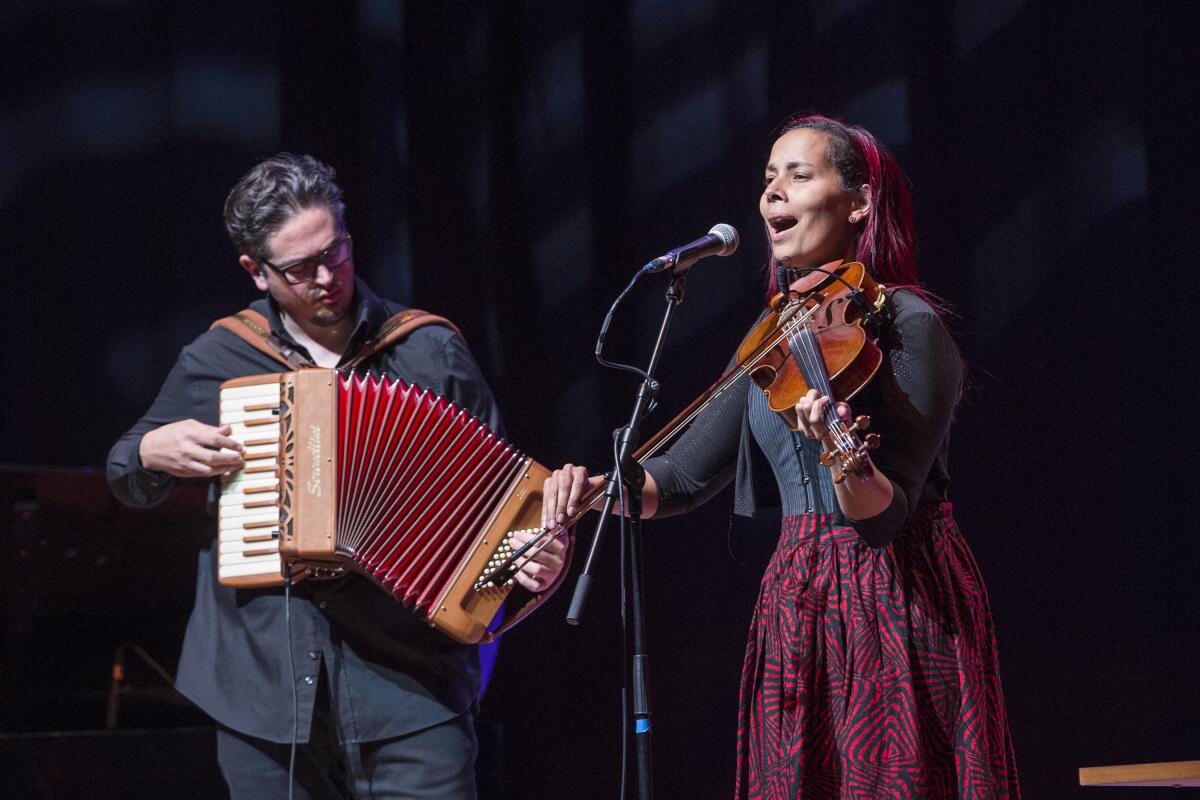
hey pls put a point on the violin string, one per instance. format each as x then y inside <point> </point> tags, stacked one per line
<point>844,438</point>
<point>832,422</point>
<point>808,347</point>
<point>813,367</point>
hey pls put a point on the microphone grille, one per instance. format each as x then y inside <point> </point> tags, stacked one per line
<point>728,235</point>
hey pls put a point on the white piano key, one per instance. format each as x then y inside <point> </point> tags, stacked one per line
<point>238,546</point>
<point>244,433</point>
<point>240,416</point>
<point>238,522</point>
<point>260,565</point>
<point>241,394</point>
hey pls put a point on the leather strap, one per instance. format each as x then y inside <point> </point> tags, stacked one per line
<point>256,331</point>
<point>254,328</point>
<point>396,327</point>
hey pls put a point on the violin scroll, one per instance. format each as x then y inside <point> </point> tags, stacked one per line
<point>849,455</point>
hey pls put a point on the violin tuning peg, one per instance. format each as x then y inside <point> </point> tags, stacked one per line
<point>871,440</point>
<point>862,422</point>
<point>827,458</point>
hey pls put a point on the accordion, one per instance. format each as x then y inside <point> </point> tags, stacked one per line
<point>348,472</point>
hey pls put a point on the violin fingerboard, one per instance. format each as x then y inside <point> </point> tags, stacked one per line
<point>807,353</point>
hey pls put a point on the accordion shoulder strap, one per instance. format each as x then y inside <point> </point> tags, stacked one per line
<point>396,327</point>
<point>256,331</point>
<point>254,328</point>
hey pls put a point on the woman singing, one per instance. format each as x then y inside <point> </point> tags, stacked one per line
<point>871,666</point>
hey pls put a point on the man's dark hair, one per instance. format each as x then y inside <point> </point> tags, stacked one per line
<point>270,194</point>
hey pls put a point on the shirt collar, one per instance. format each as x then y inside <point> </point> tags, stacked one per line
<point>369,315</point>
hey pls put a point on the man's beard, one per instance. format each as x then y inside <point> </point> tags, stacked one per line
<point>328,317</point>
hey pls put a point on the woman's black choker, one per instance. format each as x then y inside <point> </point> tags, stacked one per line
<point>793,274</point>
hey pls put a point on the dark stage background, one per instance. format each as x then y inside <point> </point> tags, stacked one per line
<point>510,165</point>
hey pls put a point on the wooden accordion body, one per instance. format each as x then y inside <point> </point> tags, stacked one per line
<point>348,472</point>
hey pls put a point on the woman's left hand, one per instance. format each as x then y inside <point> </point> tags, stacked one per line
<point>538,573</point>
<point>810,413</point>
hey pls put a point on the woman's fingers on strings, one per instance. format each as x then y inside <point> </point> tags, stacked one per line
<point>808,414</point>
<point>816,414</point>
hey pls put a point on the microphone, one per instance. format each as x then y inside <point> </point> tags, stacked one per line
<point>722,240</point>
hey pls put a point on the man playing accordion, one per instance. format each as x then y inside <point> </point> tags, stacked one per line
<point>374,696</point>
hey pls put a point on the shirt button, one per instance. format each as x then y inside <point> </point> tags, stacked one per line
<point>308,679</point>
<point>805,480</point>
<point>808,510</point>
<point>312,654</point>
<point>321,604</point>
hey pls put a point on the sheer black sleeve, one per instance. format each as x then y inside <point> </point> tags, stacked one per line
<point>911,402</point>
<point>702,461</point>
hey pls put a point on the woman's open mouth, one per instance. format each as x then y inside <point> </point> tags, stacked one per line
<point>780,224</point>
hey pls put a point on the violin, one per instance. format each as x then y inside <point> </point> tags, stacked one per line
<point>820,335</point>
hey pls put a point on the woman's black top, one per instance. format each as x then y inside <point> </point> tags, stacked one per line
<point>910,401</point>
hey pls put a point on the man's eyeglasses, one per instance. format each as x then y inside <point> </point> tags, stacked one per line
<point>305,269</point>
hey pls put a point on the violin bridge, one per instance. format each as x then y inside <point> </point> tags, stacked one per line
<point>788,312</point>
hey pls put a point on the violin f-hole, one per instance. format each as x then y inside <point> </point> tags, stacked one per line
<point>763,376</point>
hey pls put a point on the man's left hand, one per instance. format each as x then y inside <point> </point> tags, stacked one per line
<point>541,571</point>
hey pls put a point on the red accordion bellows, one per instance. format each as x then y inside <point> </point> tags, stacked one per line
<point>417,478</point>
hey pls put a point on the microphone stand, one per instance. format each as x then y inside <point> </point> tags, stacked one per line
<point>628,477</point>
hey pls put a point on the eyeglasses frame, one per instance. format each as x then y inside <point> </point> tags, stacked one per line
<point>320,257</point>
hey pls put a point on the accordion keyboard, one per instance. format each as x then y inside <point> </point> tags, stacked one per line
<point>248,535</point>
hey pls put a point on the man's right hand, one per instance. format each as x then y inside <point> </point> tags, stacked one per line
<point>191,449</point>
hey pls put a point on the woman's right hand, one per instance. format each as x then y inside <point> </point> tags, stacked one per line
<point>561,493</point>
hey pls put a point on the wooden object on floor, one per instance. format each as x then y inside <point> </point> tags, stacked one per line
<point>1167,773</point>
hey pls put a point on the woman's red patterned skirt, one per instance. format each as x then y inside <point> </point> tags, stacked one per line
<point>871,673</point>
